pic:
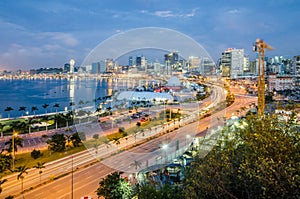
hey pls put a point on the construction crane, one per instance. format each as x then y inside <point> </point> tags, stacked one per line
<point>260,47</point>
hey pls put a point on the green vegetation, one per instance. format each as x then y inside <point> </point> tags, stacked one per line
<point>114,187</point>
<point>260,160</point>
<point>48,156</point>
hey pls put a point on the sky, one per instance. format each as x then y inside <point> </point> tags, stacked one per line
<point>48,33</point>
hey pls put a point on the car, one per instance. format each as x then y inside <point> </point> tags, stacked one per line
<point>86,197</point>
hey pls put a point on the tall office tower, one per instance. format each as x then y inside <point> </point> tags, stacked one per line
<point>66,67</point>
<point>194,63</point>
<point>130,61</point>
<point>138,61</point>
<point>172,58</point>
<point>110,65</point>
<point>102,67</point>
<point>246,63</point>
<point>208,67</point>
<point>143,63</point>
<point>296,65</point>
<point>156,67</point>
<point>72,64</point>
<point>252,68</point>
<point>233,62</point>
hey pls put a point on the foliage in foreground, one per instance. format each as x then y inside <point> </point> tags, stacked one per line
<point>114,187</point>
<point>261,160</point>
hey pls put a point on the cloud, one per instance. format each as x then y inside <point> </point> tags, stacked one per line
<point>64,38</point>
<point>234,11</point>
<point>170,13</point>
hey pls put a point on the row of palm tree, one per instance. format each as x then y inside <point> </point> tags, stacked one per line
<point>56,106</point>
<point>22,170</point>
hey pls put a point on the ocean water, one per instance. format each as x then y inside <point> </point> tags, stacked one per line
<point>25,92</point>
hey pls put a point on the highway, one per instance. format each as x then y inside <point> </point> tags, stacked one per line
<point>85,180</point>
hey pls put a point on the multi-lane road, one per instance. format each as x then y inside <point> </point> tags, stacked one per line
<point>85,180</point>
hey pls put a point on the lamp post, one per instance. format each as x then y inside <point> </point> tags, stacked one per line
<point>13,149</point>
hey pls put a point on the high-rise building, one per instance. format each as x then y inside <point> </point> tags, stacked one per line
<point>246,63</point>
<point>130,61</point>
<point>172,58</point>
<point>110,65</point>
<point>194,63</point>
<point>66,67</point>
<point>208,67</point>
<point>296,63</point>
<point>233,62</point>
<point>72,64</point>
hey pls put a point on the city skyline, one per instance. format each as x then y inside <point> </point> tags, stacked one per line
<point>48,34</point>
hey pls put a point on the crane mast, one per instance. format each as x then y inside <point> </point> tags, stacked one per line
<point>260,47</point>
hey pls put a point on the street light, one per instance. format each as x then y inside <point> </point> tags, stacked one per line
<point>15,134</point>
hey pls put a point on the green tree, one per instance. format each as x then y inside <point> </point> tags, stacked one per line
<point>259,160</point>
<point>56,106</point>
<point>34,109</point>
<point>8,109</point>
<point>57,142</point>
<point>23,109</point>
<point>5,162</point>
<point>96,146</point>
<point>76,139</point>
<point>136,164</point>
<point>96,136</point>
<point>17,142</point>
<point>116,141</point>
<point>40,166</point>
<point>35,154</point>
<point>45,106</point>
<point>166,192</point>
<point>22,170</point>
<point>2,181</point>
<point>114,187</point>
<point>107,143</point>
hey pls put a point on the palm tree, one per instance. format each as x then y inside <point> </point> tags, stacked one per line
<point>69,142</point>
<point>45,107</point>
<point>80,103</point>
<point>22,170</point>
<point>30,121</point>
<point>40,166</point>
<point>33,109</point>
<point>17,142</point>
<point>1,183</point>
<point>116,141</point>
<point>56,106</point>
<point>8,109</point>
<point>96,146</point>
<point>136,164</point>
<point>107,143</point>
<point>22,108</point>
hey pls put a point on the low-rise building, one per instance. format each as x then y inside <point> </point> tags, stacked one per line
<point>280,83</point>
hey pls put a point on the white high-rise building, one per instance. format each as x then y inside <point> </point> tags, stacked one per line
<point>194,63</point>
<point>233,62</point>
<point>72,64</point>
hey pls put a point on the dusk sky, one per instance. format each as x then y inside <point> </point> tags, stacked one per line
<point>35,34</point>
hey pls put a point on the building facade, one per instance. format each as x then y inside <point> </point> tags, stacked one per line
<point>233,62</point>
<point>280,83</point>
